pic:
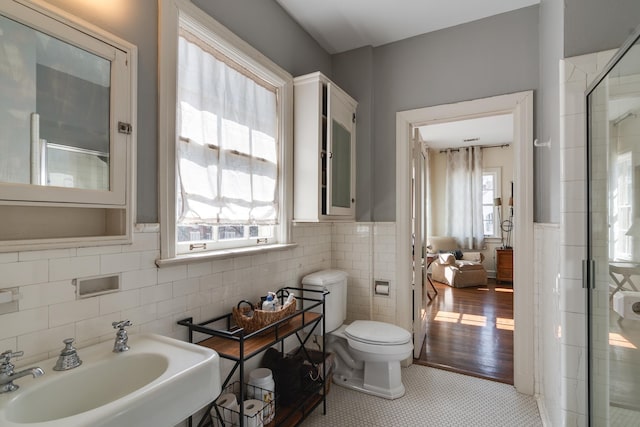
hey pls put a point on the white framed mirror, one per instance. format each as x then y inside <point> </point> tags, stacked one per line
<point>68,131</point>
<point>66,90</point>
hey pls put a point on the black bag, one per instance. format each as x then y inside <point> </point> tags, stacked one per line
<point>290,374</point>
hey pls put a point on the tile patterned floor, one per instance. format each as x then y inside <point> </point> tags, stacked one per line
<point>433,398</point>
<point>621,417</point>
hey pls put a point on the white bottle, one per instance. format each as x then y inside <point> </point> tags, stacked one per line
<point>269,304</point>
<point>290,298</point>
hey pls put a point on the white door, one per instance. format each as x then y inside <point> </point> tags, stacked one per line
<point>418,221</point>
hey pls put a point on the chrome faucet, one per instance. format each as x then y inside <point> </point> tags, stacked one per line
<point>121,336</point>
<point>7,376</point>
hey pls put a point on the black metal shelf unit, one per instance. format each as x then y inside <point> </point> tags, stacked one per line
<point>230,342</point>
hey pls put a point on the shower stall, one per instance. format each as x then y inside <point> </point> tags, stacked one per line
<point>612,269</point>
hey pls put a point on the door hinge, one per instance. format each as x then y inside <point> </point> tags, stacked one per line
<point>353,119</point>
<point>124,128</point>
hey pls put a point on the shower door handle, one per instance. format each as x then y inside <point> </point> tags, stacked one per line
<point>588,273</point>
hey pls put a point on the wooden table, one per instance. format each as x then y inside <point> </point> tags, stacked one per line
<point>626,270</point>
<point>430,258</point>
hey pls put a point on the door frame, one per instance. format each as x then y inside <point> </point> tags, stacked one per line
<point>519,104</point>
<point>418,233</point>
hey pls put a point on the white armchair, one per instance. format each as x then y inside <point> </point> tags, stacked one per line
<point>463,272</point>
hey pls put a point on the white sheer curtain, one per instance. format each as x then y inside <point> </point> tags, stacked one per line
<point>227,151</point>
<point>428,205</point>
<point>464,197</point>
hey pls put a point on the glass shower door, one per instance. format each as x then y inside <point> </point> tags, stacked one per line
<point>614,241</point>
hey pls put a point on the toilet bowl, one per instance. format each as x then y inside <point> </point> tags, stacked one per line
<point>367,353</point>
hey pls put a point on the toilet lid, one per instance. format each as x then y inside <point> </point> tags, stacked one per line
<point>380,333</point>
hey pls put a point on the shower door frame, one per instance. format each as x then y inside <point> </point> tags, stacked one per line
<point>588,269</point>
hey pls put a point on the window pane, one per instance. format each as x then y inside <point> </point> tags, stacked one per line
<point>227,232</point>
<point>488,189</point>
<point>488,219</point>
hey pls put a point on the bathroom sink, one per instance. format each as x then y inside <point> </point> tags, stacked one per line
<point>159,381</point>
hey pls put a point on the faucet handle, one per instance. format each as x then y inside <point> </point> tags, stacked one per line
<point>121,324</point>
<point>68,358</point>
<point>9,354</point>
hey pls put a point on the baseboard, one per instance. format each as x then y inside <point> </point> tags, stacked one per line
<point>544,416</point>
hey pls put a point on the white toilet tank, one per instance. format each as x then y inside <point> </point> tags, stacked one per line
<point>334,281</point>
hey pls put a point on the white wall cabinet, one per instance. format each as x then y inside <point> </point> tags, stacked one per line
<point>68,121</point>
<point>324,151</point>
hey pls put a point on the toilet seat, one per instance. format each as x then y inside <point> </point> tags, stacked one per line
<point>377,333</point>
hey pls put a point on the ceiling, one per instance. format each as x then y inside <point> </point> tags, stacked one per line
<point>493,130</point>
<point>341,25</point>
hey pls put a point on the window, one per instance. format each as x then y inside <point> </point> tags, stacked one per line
<point>490,210</point>
<point>226,146</point>
<point>623,207</point>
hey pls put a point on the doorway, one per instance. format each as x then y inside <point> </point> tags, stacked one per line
<point>469,326</point>
<point>521,106</point>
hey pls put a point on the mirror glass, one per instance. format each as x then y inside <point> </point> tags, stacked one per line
<point>54,111</point>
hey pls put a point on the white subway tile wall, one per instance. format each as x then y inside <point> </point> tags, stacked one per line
<point>366,251</point>
<point>564,352</point>
<point>548,323</point>
<point>155,298</point>
<point>384,248</point>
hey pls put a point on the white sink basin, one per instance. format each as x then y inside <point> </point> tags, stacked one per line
<point>159,382</point>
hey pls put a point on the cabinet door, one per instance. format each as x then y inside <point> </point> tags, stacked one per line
<point>64,92</point>
<point>341,154</point>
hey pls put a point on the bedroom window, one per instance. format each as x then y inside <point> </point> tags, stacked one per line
<point>623,205</point>
<point>228,143</point>
<point>490,210</point>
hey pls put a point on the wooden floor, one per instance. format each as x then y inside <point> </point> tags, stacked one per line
<point>470,330</point>
<point>624,362</point>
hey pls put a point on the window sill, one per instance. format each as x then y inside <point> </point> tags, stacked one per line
<point>222,254</point>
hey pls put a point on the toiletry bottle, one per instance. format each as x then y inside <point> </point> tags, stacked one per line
<point>290,298</point>
<point>269,304</point>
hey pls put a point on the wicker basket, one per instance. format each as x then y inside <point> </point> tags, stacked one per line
<point>260,318</point>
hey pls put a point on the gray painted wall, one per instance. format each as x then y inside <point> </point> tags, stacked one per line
<point>489,57</point>
<point>263,24</point>
<point>268,28</point>
<point>595,25</point>
<point>492,56</point>
<point>547,160</point>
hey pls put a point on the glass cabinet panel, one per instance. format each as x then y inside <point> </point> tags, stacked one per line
<point>341,164</point>
<point>341,167</point>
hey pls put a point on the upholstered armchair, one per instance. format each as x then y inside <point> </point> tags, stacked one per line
<point>456,267</point>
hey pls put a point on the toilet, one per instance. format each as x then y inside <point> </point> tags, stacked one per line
<point>367,353</point>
